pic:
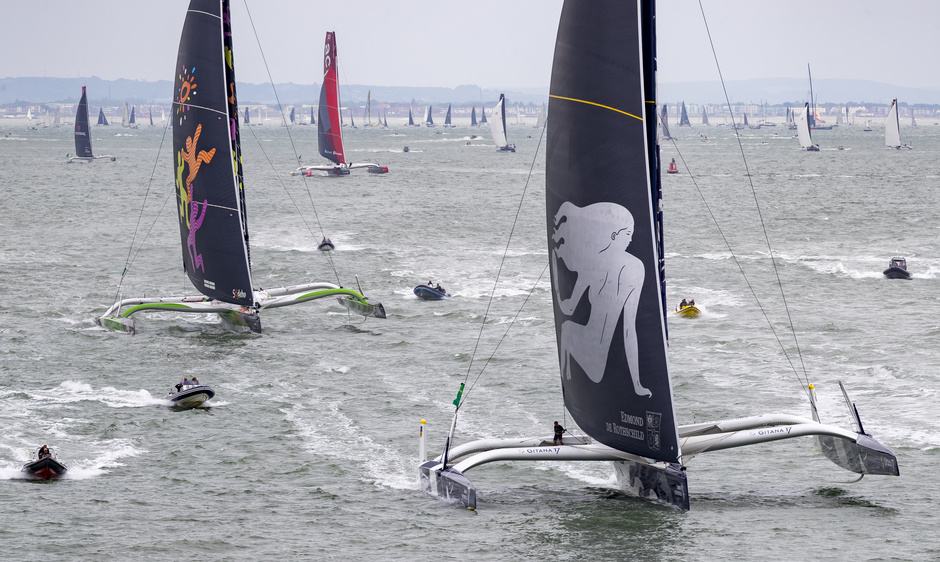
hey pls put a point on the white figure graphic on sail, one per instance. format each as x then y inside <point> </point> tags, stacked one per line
<point>593,244</point>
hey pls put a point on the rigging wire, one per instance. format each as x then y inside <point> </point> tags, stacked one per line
<point>465,393</point>
<point>131,254</point>
<point>277,98</point>
<point>804,379</point>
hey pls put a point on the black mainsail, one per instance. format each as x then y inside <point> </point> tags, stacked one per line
<point>206,146</point>
<point>684,117</point>
<point>102,120</point>
<point>604,228</point>
<point>601,200</point>
<point>82,136</point>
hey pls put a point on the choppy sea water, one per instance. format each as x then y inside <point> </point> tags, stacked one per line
<point>309,448</point>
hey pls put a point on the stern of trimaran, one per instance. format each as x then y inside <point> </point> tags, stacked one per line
<point>210,192</point>
<point>603,212</point>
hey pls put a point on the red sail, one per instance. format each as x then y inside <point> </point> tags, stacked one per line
<point>330,125</point>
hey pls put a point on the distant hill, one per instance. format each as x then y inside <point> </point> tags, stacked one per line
<point>139,92</point>
<point>794,91</point>
<point>790,91</point>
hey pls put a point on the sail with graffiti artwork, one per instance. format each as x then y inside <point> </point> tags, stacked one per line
<point>210,191</point>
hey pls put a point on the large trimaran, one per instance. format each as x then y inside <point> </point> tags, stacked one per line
<point>210,191</point>
<point>330,124</point>
<point>606,255</point>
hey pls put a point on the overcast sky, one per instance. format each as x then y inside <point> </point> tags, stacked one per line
<point>493,44</point>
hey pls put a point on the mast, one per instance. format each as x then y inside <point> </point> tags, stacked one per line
<point>811,119</point>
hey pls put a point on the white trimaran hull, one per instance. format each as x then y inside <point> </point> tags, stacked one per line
<point>635,475</point>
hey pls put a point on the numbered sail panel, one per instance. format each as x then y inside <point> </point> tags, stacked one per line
<point>209,191</point>
<point>330,123</point>
<point>82,133</point>
<point>601,235</point>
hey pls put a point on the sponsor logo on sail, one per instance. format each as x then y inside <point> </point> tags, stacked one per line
<point>654,422</point>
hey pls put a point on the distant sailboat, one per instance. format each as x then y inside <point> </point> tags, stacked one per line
<point>313,120</point>
<point>447,122</point>
<point>684,117</point>
<point>814,114</point>
<point>803,132</point>
<point>329,125</point>
<point>540,120</point>
<point>125,117</point>
<point>704,116</point>
<point>482,115</point>
<point>498,126</point>
<point>605,252</point>
<point>428,120</point>
<point>151,116</point>
<point>473,117</point>
<point>913,120</point>
<point>664,122</point>
<point>411,119</point>
<point>132,122</point>
<point>369,108</point>
<point>893,128</point>
<point>102,120</point>
<point>83,134</point>
<point>210,191</point>
<point>791,119</point>
<point>247,118</point>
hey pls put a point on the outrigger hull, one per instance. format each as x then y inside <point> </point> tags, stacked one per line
<point>234,317</point>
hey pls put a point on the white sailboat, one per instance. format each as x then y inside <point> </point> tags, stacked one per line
<point>893,128</point>
<point>498,126</point>
<point>540,120</point>
<point>803,132</point>
<point>210,192</point>
<point>606,256</point>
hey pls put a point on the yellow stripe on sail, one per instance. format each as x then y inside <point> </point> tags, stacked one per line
<point>597,104</point>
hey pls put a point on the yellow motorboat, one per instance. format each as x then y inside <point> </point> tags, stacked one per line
<point>689,311</point>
